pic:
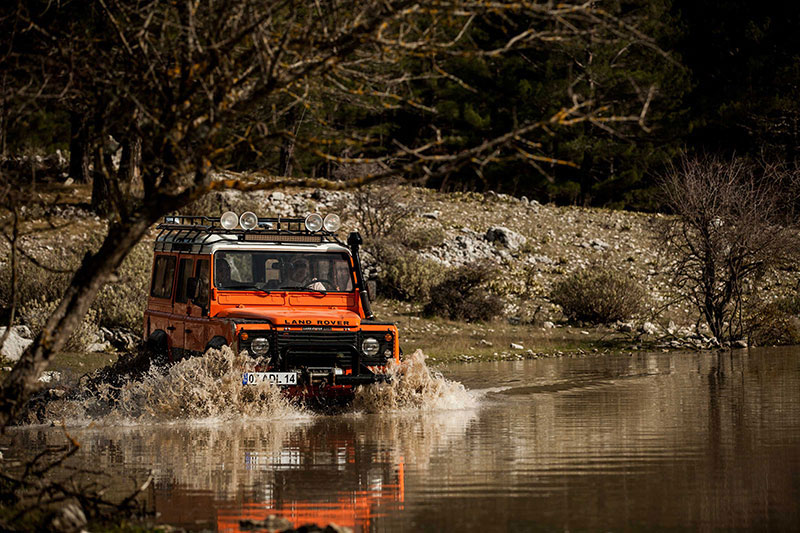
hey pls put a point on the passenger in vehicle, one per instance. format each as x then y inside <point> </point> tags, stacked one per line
<point>342,276</point>
<point>300,275</point>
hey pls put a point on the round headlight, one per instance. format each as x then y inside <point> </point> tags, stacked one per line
<point>259,346</point>
<point>229,220</point>
<point>248,220</point>
<point>370,346</point>
<point>331,222</point>
<point>313,222</point>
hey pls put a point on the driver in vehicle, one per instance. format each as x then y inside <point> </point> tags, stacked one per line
<point>300,275</point>
<point>222,274</point>
<point>342,276</point>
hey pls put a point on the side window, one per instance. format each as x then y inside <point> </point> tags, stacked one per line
<point>184,273</point>
<point>163,275</point>
<point>202,283</point>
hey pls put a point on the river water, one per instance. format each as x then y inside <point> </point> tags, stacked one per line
<point>648,441</point>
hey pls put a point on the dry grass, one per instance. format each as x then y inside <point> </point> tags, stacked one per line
<point>445,341</point>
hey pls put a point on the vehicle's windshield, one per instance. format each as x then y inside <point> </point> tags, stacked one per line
<point>291,271</point>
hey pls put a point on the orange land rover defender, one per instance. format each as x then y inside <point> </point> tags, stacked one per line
<point>284,289</point>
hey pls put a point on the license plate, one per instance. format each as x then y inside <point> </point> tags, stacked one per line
<point>278,378</point>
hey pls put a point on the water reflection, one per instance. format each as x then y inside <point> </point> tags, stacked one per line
<point>345,469</point>
<point>700,441</point>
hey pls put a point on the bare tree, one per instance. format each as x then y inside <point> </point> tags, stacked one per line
<point>732,224</point>
<point>189,82</point>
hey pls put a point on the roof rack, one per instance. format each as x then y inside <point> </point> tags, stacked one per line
<point>187,233</point>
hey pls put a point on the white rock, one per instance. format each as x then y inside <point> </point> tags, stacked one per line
<point>23,331</point>
<point>277,196</point>
<point>649,328</point>
<point>14,345</point>
<point>508,238</point>
<point>515,346</point>
<point>49,376</point>
<point>548,325</point>
<point>99,347</point>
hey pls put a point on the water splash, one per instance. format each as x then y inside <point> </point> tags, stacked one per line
<point>413,387</point>
<point>208,387</point>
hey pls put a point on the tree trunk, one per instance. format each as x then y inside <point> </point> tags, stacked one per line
<point>129,164</point>
<point>94,272</point>
<point>287,146</point>
<point>78,148</point>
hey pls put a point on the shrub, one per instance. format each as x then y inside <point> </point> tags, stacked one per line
<point>34,282</point>
<point>379,212</point>
<point>36,313</point>
<point>402,273</point>
<point>121,303</point>
<point>423,235</point>
<point>599,295</point>
<point>462,296</point>
<point>776,322</point>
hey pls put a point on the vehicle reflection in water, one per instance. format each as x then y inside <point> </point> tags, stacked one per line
<point>347,469</point>
<point>648,441</point>
<point>319,476</point>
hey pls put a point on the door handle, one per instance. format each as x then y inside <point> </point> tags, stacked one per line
<point>171,328</point>
<point>187,330</point>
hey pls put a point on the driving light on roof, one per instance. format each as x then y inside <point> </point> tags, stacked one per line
<point>313,222</point>
<point>248,220</point>
<point>331,222</point>
<point>229,220</point>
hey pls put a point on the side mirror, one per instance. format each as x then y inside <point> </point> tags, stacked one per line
<point>191,288</point>
<point>372,289</point>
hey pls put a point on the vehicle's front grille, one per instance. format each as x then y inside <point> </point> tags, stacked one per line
<point>317,348</point>
<point>321,338</point>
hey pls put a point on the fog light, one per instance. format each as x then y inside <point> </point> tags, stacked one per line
<point>313,222</point>
<point>259,346</point>
<point>229,220</point>
<point>370,346</point>
<point>248,220</point>
<point>331,222</point>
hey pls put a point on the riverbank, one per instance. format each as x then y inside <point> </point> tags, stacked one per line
<point>530,247</point>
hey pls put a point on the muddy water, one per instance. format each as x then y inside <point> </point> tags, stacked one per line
<point>709,441</point>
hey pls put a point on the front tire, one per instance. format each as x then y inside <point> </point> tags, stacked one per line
<point>216,343</point>
<point>158,348</point>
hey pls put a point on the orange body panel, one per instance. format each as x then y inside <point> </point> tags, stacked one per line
<point>191,325</point>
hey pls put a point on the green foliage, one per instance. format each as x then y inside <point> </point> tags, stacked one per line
<point>122,303</point>
<point>423,236</point>
<point>36,312</point>
<point>403,275</point>
<point>775,322</point>
<point>599,295</point>
<point>524,86</point>
<point>462,295</point>
<point>34,282</point>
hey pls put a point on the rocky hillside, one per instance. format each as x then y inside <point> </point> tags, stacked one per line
<point>530,247</point>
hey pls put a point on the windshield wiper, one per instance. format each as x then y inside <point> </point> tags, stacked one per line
<point>300,288</point>
<point>254,288</point>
